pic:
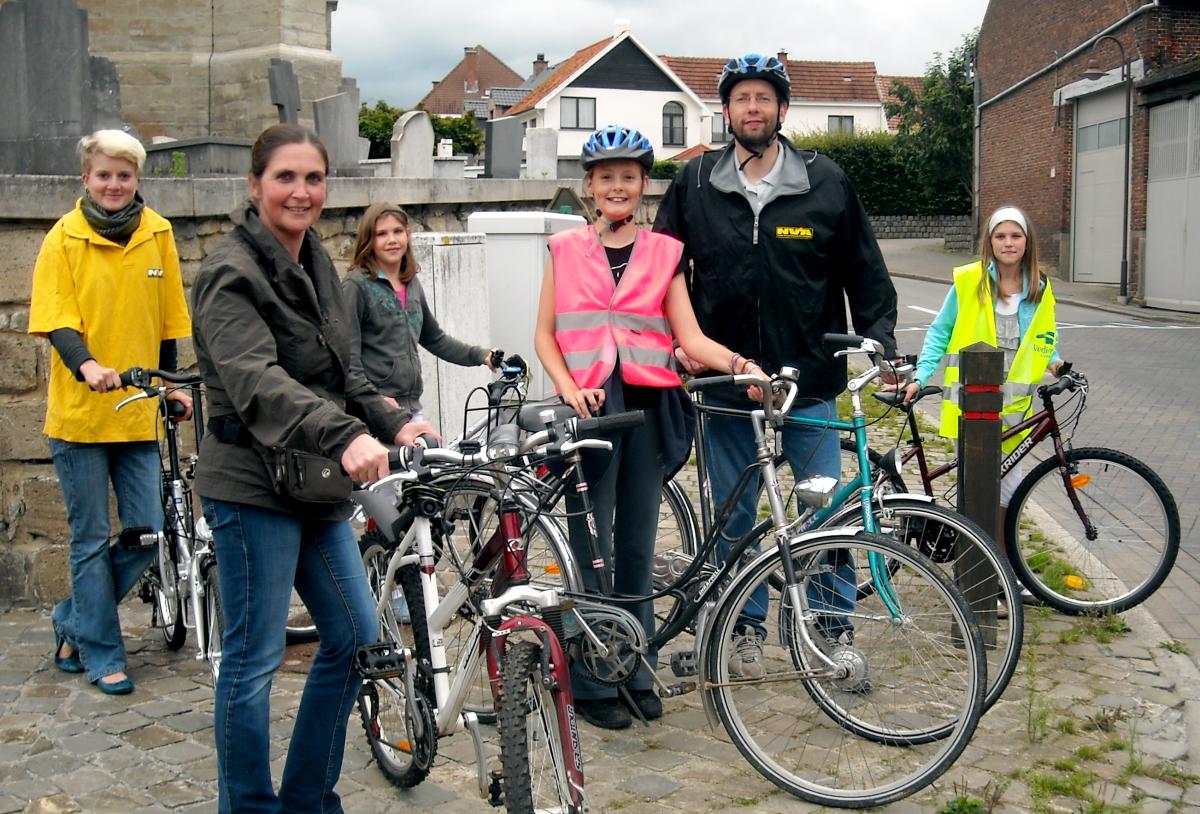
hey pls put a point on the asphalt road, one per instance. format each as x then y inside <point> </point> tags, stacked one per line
<point>1144,399</point>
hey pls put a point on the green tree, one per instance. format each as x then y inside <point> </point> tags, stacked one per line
<point>375,124</point>
<point>934,136</point>
<point>462,130</point>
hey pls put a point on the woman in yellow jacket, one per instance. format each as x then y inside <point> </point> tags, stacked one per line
<point>107,292</point>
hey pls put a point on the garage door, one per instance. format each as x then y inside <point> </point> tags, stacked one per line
<point>1173,207</point>
<point>1099,186</point>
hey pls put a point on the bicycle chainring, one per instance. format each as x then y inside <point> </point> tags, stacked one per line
<point>620,633</point>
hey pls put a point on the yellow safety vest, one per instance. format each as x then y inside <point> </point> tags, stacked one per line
<point>977,323</point>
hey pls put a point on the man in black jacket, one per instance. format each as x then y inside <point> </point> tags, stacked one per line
<point>776,242</point>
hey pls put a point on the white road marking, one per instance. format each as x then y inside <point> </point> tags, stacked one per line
<point>923,310</point>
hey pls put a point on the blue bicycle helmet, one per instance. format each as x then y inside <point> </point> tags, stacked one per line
<point>616,141</point>
<point>755,66</point>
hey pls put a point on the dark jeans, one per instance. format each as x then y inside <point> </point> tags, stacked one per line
<point>261,553</point>
<point>101,574</point>
<point>810,451</point>
<point>625,487</point>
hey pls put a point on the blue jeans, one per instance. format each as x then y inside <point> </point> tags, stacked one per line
<point>101,574</point>
<point>625,487</point>
<point>261,553</point>
<point>810,451</point>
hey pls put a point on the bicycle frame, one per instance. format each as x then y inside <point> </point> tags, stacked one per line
<point>503,553</point>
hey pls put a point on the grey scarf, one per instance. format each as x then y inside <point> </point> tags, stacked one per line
<point>116,226</point>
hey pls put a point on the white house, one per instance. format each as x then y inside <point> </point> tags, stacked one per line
<point>616,81</point>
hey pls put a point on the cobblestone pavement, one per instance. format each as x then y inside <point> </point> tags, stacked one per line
<point>1112,719</point>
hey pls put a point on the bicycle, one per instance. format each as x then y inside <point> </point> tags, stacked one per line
<point>181,583</point>
<point>1089,530</point>
<point>875,499</point>
<point>896,681</point>
<point>409,699</point>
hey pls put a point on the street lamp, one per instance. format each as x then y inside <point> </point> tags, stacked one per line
<point>1094,71</point>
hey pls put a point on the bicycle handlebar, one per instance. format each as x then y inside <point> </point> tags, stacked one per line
<point>609,423</point>
<point>142,376</point>
<point>1068,381</point>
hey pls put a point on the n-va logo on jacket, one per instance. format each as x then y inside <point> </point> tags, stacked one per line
<point>154,272</point>
<point>794,232</point>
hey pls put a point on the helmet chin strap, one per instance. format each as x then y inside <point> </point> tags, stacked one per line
<point>753,152</point>
<point>613,225</point>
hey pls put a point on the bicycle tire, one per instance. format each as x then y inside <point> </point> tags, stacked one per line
<point>383,707</point>
<point>909,683</point>
<point>1136,526</point>
<point>167,611</point>
<point>945,536</point>
<point>214,618</point>
<point>300,627</point>
<point>532,757</point>
<point>678,527</point>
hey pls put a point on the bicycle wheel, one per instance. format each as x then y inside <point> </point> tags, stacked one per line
<point>300,627</point>
<point>402,735</point>
<point>1096,537</point>
<point>966,555</point>
<point>909,674</point>
<point>214,618</point>
<point>167,614</point>
<point>532,757</point>
<point>678,528</point>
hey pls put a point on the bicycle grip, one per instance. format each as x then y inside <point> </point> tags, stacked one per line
<point>135,377</point>
<point>845,340</point>
<point>695,385</point>
<point>610,423</point>
<point>175,409</point>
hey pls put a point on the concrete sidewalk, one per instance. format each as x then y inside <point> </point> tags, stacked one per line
<point>928,260</point>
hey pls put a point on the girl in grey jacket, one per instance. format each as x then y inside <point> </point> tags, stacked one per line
<point>390,314</point>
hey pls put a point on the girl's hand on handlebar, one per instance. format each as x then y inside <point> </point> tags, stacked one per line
<point>183,398</point>
<point>913,388</point>
<point>585,401</point>
<point>754,391</point>
<point>365,459</point>
<point>689,364</point>
<point>100,378</point>
<point>414,429</point>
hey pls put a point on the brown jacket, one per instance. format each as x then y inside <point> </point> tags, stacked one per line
<point>272,341</point>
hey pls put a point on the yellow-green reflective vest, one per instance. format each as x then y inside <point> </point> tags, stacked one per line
<point>977,323</point>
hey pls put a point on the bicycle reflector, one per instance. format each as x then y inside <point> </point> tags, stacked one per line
<point>1080,480</point>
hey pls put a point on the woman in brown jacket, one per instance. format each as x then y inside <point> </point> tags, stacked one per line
<point>272,341</point>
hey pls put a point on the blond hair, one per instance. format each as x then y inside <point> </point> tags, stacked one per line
<point>114,144</point>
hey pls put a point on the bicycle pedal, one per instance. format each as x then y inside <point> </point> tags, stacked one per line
<point>496,789</point>
<point>380,660</point>
<point>683,663</point>
<point>676,690</point>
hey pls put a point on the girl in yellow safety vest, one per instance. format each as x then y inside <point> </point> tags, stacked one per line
<point>612,301</point>
<point>1010,307</point>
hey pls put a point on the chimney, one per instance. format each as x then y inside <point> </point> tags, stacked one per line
<point>620,26</point>
<point>471,64</point>
<point>540,64</point>
<point>782,56</point>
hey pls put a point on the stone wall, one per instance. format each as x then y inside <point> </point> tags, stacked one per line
<point>957,231</point>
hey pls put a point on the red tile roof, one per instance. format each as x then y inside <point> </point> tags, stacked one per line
<point>915,83</point>
<point>447,97</point>
<point>560,74</point>
<point>692,152</point>
<point>811,81</point>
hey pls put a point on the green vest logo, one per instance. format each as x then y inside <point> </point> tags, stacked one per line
<point>1047,336</point>
<point>794,232</point>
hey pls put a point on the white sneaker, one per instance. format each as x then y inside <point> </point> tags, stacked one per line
<point>747,658</point>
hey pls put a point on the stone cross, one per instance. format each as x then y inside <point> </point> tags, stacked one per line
<point>285,90</point>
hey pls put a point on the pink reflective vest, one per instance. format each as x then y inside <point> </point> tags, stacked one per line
<point>596,323</point>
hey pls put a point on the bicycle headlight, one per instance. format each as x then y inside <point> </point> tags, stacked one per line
<point>503,442</point>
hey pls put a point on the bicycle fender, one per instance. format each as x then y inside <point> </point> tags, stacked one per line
<point>380,508</point>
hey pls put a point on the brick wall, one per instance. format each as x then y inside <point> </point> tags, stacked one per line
<point>955,230</point>
<point>1026,144</point>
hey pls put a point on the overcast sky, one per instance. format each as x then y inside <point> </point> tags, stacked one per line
<point>396,48</point>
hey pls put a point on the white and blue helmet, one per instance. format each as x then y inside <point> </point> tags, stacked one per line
<point>755,66</point>
<point>616,141</point>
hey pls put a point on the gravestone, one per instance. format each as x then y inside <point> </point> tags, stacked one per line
<point>285,90</point>
<point>336,120</point>
<point>541,153</point>
<point>52,91</point>
<point>412,146</point>
<point>502,138</point>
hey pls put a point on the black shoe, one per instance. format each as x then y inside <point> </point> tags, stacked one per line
<point>606,713</point>
<point>648,703</point>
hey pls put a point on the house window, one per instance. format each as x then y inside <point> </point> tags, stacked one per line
<point>674,131</point>
<point>841,124</point>
<point>720,130</point>
<point>577,113</point>
<point>1100,136</point>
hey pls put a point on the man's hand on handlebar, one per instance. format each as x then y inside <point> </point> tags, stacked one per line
<point>100,378</point>
<point>410,432</point>
<point>182,397</point>
<point>365,459</point>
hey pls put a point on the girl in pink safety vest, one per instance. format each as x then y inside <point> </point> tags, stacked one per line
<point>612,304</point>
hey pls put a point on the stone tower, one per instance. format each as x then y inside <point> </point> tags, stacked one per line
<point>199,67</point>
